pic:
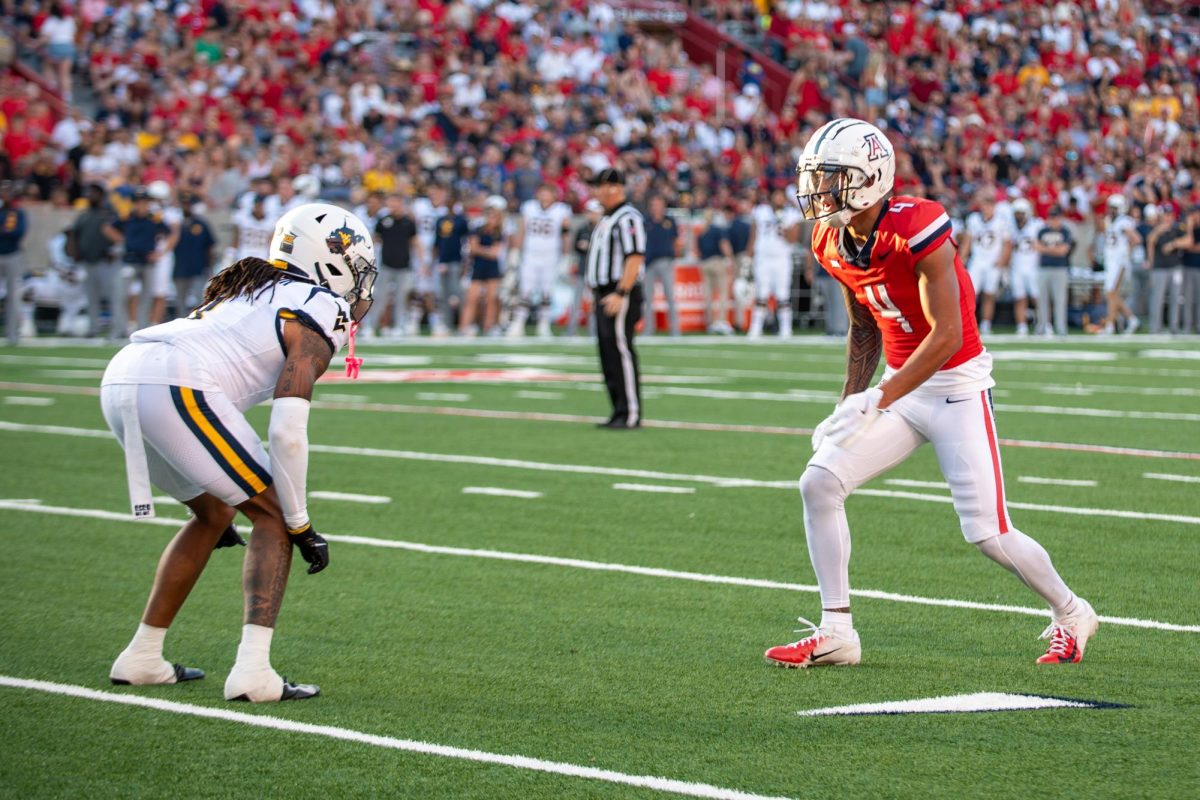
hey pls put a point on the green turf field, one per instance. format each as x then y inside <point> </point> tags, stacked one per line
<point>512,635</point>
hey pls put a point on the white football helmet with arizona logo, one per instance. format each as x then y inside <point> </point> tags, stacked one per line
<point>847,166</point>
<point>323,244</point>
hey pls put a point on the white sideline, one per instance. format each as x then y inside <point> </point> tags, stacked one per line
<point>622,472</point>
<point>669,785</point>
<point>603,566</point>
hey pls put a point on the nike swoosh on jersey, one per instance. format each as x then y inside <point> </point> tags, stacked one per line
<point>963,400</point>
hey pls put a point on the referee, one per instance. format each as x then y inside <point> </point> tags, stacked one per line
<point>614,274</point>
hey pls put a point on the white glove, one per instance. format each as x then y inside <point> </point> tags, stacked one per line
<point>854,416</point>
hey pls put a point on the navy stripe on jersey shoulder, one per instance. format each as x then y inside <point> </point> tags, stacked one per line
<point>920,247</point>
<point>307,321</point>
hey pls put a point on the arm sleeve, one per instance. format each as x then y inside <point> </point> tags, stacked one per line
<point>288,436</point>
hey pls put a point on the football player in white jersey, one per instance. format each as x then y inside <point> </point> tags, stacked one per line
<point>1116,242</point>
<point>542,238</point>
<point>176,396</point>
<point>1026,261</point>
<point>986,247</point>
<point>161,278</point>
<point>252,230</point>
<point>773,236</point>
<point>426,212</point>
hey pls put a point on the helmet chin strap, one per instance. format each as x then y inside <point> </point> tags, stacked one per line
<point>840,219</point>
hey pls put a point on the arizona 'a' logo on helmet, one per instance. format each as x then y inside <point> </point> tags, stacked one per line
<point>875,148</point>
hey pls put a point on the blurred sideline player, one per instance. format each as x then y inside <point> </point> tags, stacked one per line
<point>909,296</point>
<point>175,398</point>
<point>776,228</point>
<point>986,247</point>
<point>1117,241</point>
<point>542,237</point>
<point>1026,261</point>
<point>252,231</point>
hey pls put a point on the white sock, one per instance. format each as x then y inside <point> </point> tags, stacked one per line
<point>147,643</point>
<point>837,622</point>
<point>756,320</point>
<point>785,321</point>
<point>1030,562</point>
<point>828,534</point>
<point>254,652</point>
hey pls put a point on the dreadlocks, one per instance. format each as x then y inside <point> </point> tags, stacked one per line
<point>244,277</point>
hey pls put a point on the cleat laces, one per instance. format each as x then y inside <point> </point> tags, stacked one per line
<point>1062,641</point>
<point>813,631</point>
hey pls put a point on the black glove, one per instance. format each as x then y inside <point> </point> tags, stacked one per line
<point>313,548</point>
<point>229,538</point>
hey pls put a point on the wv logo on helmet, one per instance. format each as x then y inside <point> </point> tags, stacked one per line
<point>340,239</point>
<point>875,148</point>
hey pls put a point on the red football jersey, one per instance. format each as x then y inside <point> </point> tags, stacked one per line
<point>883,276</point>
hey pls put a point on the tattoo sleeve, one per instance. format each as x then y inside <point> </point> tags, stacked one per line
<point>863,346</point>
<point>308,358</point>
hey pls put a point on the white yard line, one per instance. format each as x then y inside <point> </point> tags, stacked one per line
<point>601,566</point>
<point>622,472</point>
<point>917,484</point>
<point>668,785</point>
<point>538,416</point>
<point>654,488</point>
<point>1055,481</point>
<point>1162,476</point>
<point>496,491</point>
<point>349,497</point>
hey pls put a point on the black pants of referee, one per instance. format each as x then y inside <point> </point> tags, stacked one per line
<point>618,358</point>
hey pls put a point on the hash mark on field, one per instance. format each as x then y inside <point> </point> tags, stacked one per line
<point>370,499</point>
<point>410,745</point>
<point>527,395</point>
<point>649,487</point>
<point>917,484</point>
<point>17,400</point>
<point>1055,481</point>
<point>1163,476</point>
<point>446,397</point>
<point>957,704</point>
<point>495,491</point>
<point>166,499</point>
<point>334,397</point>
<point>601,566</point>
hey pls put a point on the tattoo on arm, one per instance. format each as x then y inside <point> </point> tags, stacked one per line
<point>863,347</point>
<point>308,358</point>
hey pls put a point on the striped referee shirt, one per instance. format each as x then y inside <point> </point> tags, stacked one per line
<point>619,234</point>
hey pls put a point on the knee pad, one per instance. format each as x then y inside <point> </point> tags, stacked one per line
<point>819,486</point>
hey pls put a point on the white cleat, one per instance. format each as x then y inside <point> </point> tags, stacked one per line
<point>821,648</point>
<point>265,686</point>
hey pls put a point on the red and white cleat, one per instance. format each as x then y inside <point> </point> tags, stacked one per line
<point>820,648</point>
<point>1069,637</point>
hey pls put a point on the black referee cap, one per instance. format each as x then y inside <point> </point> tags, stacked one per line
<point>609,176</point>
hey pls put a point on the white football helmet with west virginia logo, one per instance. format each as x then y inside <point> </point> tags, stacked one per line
<point>847,166</point>
<point>323,244</point>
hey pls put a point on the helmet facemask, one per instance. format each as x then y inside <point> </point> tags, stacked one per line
<point>824,192</point>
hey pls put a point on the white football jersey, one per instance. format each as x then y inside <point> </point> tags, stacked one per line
<point>1024,239</point>
<point>544,228</point>
<point>1117,252</point>
<point>234,346</point>
<point>254,235</point>
<point>987,237</point>
<point>769,227</point>
<point>426,215</point>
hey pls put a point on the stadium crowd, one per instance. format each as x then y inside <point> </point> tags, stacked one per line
<point>1063,104</point>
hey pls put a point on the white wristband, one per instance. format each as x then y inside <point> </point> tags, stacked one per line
<point>288,435</point>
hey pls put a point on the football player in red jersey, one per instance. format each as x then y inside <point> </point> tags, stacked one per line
<point>910,297</point>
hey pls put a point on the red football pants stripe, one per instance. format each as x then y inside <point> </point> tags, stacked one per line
<point>1001,512</point>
